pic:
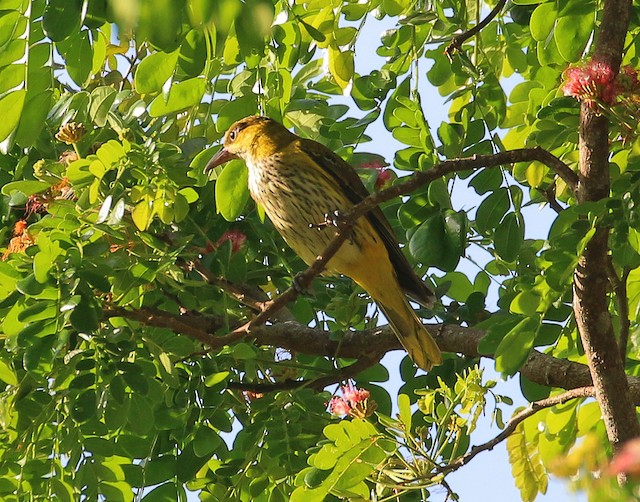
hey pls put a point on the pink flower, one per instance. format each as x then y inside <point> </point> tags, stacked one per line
<point>591,83</point>
<point>595,82</point>
<point>627,459</point>
<point>354,395</point>
<point>385,176</point>
<point>236,238</point>
<point>338,406</point>
<point>355,402</point>
<point>600,73</point>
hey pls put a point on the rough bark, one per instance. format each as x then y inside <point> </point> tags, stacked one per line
<point>590,280</point>
<point>370,346</point>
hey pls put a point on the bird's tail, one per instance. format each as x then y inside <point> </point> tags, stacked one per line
<point>413,335</point>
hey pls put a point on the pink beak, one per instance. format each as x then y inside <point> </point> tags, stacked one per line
<point>219,158</point>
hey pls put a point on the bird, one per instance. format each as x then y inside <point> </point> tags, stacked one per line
<point>298,182</point>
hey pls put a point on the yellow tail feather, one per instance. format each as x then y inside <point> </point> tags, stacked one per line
<point>413,336</point>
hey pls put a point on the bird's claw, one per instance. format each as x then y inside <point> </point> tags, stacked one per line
<point>295,283</point>
<point>330,220</point>
<point>334,219</point>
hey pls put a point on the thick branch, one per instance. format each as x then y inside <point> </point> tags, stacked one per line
<point>198,328</point>
<point>370,346</point>
<point>540,368</point>
<point>590,301</point>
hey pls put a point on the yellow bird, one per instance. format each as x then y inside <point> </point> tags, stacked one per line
<point>298,181</point>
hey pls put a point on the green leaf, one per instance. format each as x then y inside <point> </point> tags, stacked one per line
<point>318,36</point>
<point>525,303</point>
<point>29,286</point>
<point>193,53</point>
<point>232,190</point>
<point>42,263</point>
<point>509,236</point>
<point>459,286</point>
<point>102,99</point>
<point>61,18</point>
<point>205,441</point>
<point>492,210</point>
<point>542,21</point>
<point>142,214</point>
<point>440,240</point>
<point>216,378</point>
<point>404,408</point>
<point>10,110</point>
<point>27,187</point>
<point>154,71</point>
<point>10,22</point>
<point>528,471</point>
<point>32,119</point>
<point>341,66</point>
<point>7,375</point>
<point>85,317</point>
<point>181,95</point>
<point>633,291</point>
<point>573,32</point>
<point>78,56</point>
<point>513,350</point>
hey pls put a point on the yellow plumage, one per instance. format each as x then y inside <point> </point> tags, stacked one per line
<point>298,182</point>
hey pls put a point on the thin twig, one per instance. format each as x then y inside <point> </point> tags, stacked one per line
<point>549,194</point>
<point>162,319</point>
<point>516,419</point>
<point>619,286</point>
<point>253,298</point>
<point>317,383</point>
<point>458,40</point>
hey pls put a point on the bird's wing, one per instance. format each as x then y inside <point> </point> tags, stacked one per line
<point>352,186</point>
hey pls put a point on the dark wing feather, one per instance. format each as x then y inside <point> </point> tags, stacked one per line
<point>352,185</point>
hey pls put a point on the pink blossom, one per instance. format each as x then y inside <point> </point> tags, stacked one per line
<point>595,82</point>
<point>627,459</point>
<point>236,238</point>
<point>591,83</point>
<point>354,402</point>
<point>353,395</point>
<point>385,176</point>
<point>338,406</point>
<point>600,73</point>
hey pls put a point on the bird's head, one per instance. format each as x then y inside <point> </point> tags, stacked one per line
<point>250,138</point>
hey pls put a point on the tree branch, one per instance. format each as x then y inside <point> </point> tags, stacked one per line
<point>516,419</point>
<point>198,328</point>
<point>369,346</point>
<point>619,286</point>
<point>590,302</point>
<point>317,383</point>
<point>458,40</point>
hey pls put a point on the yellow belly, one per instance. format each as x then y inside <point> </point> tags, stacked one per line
<point>297,201</point>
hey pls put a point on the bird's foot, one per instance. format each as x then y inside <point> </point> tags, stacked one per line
<point>299,285</point>
<point>336,220</point>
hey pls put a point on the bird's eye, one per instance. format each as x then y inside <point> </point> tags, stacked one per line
<point>233,134</point>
